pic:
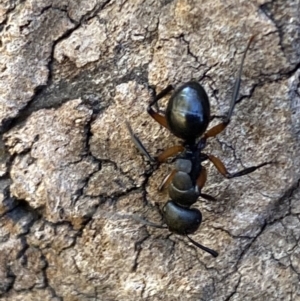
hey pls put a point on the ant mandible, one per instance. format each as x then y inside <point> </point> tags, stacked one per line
<point>187,117</point>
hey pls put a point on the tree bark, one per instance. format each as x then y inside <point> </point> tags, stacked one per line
<point>72,183</point>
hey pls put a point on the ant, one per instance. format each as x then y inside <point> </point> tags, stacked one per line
<point>187,116</point>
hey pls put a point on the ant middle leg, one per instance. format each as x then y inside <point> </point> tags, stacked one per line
<point>169,152</point>
<point>236,89</point>
<point>137,142</point>
<point>167,180</point>
<point>223,171</point>
<point>155,115</point>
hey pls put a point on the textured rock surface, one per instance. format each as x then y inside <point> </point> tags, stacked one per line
<point>71,179</point>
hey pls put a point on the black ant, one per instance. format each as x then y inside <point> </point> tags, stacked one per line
<point>187,117</point>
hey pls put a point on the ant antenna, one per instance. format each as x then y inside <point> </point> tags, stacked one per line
<point>208,250</point>
<point>237,83</point>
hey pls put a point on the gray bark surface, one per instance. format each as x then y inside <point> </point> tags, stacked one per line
<point>71,180</point>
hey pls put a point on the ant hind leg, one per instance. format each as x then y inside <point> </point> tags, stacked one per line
<point>223,171</point>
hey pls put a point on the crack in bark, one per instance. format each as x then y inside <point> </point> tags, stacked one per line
<point>235,288</point>
<point>138,249</point>
<point>266,9</point>
<point>26,111</point>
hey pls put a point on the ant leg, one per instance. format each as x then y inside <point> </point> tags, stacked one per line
<point>206,249</point>
<point>212,117</point>
<point>137,142</point>
<point>236,89</point>
<point>145,222</point>
<point>155,115</point>
<point>169,152</point>
<point>167,180</point>
<point>172,151</point>
<point>200,182</point>
<point>223,171</point>
<point>208,197</point>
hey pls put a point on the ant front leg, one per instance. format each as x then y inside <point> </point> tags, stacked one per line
<point>161,120</point>
<point>223,171</point>
<point>236,89</point>
<point>155,115</point>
